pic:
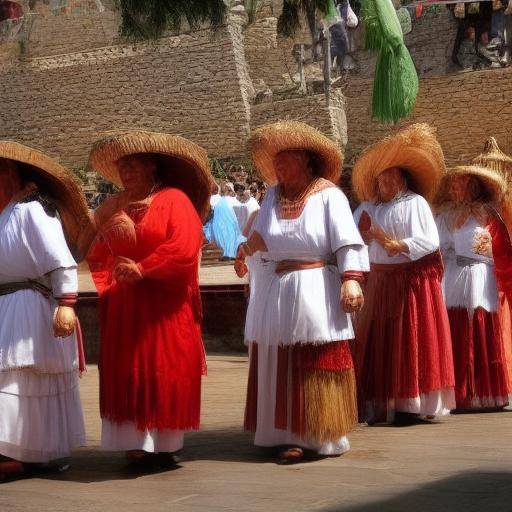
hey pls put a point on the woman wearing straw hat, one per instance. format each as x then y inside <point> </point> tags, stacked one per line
<point>476,250</point>
<point>301,389</point>
<point>41,206</point>
<point>403,347</point>
<point>145,266</point>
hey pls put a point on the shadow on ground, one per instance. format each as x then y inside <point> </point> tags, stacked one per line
<point>94,465</point>
<point>466,492</point>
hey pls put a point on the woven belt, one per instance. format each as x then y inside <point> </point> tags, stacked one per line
<point>8,288</point>
<point>465,261</point>
<point>294,265</point>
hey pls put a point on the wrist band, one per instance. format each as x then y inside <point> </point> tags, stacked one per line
<point>353,275</point>
<point>68,299</point>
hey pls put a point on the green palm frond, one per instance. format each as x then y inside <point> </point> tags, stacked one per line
<point>149,19</point>
<point>289,21</point>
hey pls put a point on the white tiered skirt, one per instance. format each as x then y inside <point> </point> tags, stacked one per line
<point>41,416</point>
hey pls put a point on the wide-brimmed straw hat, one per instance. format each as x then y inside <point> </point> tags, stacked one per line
<point>493,184</point>
<point>269,140</point>
<point>55,181</point>
<point>414,149</point>
<point>493,158</point>
<point>183,164</point>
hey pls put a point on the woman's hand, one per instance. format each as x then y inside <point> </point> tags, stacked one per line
<point>240,267</point>
<point>64,322</point>
<point>394,247</point>
<point>482,244</point>
<point>127,271</point>
<point>352,299</point>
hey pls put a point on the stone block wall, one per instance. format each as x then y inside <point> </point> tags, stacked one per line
<point>269,56</point>
<point>67,91</point>
<point>71,33</point>
<point>310,109</point>
<point>466,108</point>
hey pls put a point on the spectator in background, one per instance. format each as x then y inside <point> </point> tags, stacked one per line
<point>477,16</point>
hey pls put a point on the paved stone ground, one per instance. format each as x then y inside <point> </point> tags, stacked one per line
<point>462,463</point>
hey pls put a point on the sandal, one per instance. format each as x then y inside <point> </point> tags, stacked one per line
<point>291,455</point>
<point>11,470</point>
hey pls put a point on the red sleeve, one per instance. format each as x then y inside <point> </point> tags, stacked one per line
<point>502,255</point>
<point>101,264</point>
<point>178,256</point>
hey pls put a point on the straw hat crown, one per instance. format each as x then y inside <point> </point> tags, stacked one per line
<point>269,140</point>
<point>185,165</point>
<point>61,185</point>
<point>494,158</point>
<point>493,184</point>
<point>414,149</point>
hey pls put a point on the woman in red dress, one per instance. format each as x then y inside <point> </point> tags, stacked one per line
<point>145,265</point>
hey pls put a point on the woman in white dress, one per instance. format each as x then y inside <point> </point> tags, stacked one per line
<point>472,237</point>
<point>403,347</point>
<point>40,411</point>
<point>301,389</point>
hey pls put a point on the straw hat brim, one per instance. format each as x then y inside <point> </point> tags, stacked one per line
<point>271,139</point>
<point>186,164</point>
<point>494,185</point>
<point>414,149</point>
<point>56,181</point>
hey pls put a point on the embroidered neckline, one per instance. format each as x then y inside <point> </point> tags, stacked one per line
<point>293,208</point>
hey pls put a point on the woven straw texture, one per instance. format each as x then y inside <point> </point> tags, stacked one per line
<point>54,180</point>
<point>494,185</point>
<point>186,164</point>
<point>414,149</point>
<point>495,159</point>
<point>269,140</point>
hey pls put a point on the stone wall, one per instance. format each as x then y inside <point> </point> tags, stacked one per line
<point>270,57</point>
<point>71,85</point>
<point>310,109</point>
<point>466,108</point>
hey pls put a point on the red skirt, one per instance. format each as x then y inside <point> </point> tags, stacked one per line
<point>151,356</point>
<point>479,357</point>
<point>315,391</point>
<point>403,345</point>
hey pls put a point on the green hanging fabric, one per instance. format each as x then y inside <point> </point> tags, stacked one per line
<point>395,85</point>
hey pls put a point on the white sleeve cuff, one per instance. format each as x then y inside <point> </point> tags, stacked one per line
<point>354,258</point>
<point>64,281</point>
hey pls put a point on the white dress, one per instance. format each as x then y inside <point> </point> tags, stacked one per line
<point>468,286</point>
<point>244,210</point>
<point>304,306</point>
<point>41,415</point>
<point>408,218</point>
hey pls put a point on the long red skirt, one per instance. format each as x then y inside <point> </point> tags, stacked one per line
<point>315,391</point>
<point>403,346</point>
<point>479,357</point>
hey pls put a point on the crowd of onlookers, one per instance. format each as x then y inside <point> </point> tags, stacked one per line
<point>484,34</point>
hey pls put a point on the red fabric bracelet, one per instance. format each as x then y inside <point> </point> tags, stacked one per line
<point>353,275</point>
<point>68,299</point>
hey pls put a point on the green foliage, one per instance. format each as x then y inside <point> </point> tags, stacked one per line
<point>289,21</point>
<point>81,173</point>
<point>149,19</point>
<point>217,170</point>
